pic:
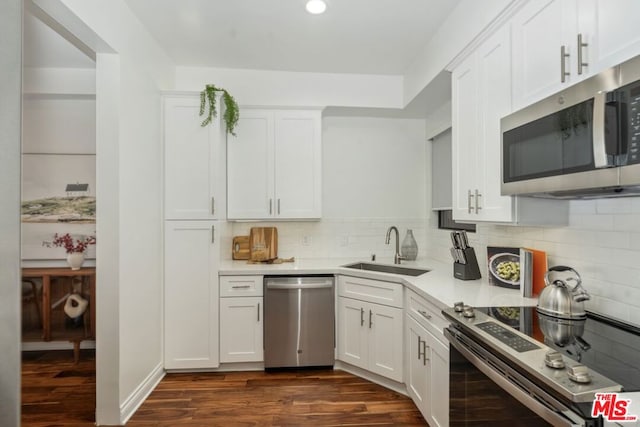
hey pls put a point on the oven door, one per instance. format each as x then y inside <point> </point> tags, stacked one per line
<point>483,390</point>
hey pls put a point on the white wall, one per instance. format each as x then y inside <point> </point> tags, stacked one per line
<point>602,242</point>
<point>131,69</point>
<point>296,89</point>
<point>59,81</point>
<point>10,105</point>
<point>460,28</point>
<point>374,176</point>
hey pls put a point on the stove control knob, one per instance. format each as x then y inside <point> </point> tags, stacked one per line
<point>579,374</point>
<point>467,312</point>
<point>458,307</point>
<point>553,359</point>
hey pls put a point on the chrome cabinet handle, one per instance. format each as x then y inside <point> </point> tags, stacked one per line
<point>258,312</point>
<point>240,286</point>
<point>213,206</point>
<point>361,316</point>
<point>425,314</point>
<point>370,316</point>
<point>581,63</point>
<point>478,195</point>
<point>563,67</point>
<point>270,206</point>
<point>424,353</point>
<point>419,343</point>
<point>278,206</point>
<point>213,234</point>
<point>469,196</point>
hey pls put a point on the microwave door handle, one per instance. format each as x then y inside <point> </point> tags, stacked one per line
<point>600,158</point>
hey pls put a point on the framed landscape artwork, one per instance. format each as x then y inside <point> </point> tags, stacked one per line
<point>58,196</point>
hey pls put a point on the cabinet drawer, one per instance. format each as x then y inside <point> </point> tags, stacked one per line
<point>426,313</point>
<point>236,286</point>
<point>376,291</point>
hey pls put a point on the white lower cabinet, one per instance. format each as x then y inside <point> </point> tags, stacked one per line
<point>191,254</point>
<point>370,337</point>
<point>427,363</point>
<point>241,329</point>
<point>241,319</point>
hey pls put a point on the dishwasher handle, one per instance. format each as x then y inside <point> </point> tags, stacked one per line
<point>303,285</point>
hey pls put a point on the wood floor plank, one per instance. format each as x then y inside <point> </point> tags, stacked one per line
<point>57,393</point>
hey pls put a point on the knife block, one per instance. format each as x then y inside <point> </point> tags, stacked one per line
<point>470,270</point>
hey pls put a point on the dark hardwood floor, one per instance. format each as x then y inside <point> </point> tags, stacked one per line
<point>58,393</point>
<point>55,392</point>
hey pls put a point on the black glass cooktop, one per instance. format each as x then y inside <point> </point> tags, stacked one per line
<point>607,346</point>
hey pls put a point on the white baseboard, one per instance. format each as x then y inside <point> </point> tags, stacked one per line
<point>224,367</point>
<point>55,345</point>
<point>140,394</point>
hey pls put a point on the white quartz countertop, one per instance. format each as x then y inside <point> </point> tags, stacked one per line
<point>438,285</point>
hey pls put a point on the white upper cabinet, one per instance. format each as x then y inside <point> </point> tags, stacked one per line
<point>611,30</point>
<point>194,161</point>
<point>481,96</point>
<point>542,31</point>
<point>250,166</point>
<point>274,165</point>
<point>592,34</point>
<point>297,164</point>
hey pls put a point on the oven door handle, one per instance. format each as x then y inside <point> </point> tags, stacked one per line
<point>555,416</point>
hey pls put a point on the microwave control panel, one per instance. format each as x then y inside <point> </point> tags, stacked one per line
<point>634,126</point>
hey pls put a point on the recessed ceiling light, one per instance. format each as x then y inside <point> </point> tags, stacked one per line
<point>316,7</point>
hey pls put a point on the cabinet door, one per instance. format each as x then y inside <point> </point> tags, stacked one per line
<point>250,167</point>
<point>191,254</point>
<point>352,332</point>
<point>193,162</point>
<point>385,341</point>
<point>241,329</point>
<point>417,379</point>
<point>465,137</point>
<point>298,164</point>
<point>539,31</point>
<point>494,85</point>
<point>611,31</point>
<point>438,400</point>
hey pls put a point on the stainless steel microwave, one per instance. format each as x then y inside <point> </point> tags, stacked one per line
<point>583,142</point>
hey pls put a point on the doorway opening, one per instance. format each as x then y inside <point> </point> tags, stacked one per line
<point>58,216</point>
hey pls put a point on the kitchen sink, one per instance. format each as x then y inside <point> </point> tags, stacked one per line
<point>393,269</point>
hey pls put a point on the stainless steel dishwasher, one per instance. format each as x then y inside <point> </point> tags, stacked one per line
<point>299,321</point>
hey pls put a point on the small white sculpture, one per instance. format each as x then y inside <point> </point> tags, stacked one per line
<point>75,306</point>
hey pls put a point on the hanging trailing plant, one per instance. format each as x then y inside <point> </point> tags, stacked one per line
<point>231,112</point>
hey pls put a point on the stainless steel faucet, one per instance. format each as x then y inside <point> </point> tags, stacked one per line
<point>397,257</point>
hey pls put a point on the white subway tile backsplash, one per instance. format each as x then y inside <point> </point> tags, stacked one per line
<point>602,242</point>
<point>597,222</point>
<point>578,207</point>
<point>613,206</point>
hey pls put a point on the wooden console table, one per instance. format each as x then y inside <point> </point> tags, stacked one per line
<point>46,274</point>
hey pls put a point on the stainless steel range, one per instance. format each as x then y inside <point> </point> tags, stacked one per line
<point>513,363</point>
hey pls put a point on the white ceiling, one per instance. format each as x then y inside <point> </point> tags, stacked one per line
<point>352,36</point>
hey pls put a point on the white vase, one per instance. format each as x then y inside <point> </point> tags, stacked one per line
<point>75,260</point>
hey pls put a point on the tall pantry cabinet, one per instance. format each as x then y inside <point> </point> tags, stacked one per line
<point>194,204</point>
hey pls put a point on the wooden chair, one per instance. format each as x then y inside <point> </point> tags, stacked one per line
<point>30,295</point>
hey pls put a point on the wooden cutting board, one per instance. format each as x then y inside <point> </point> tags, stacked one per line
<point>240,248</point>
